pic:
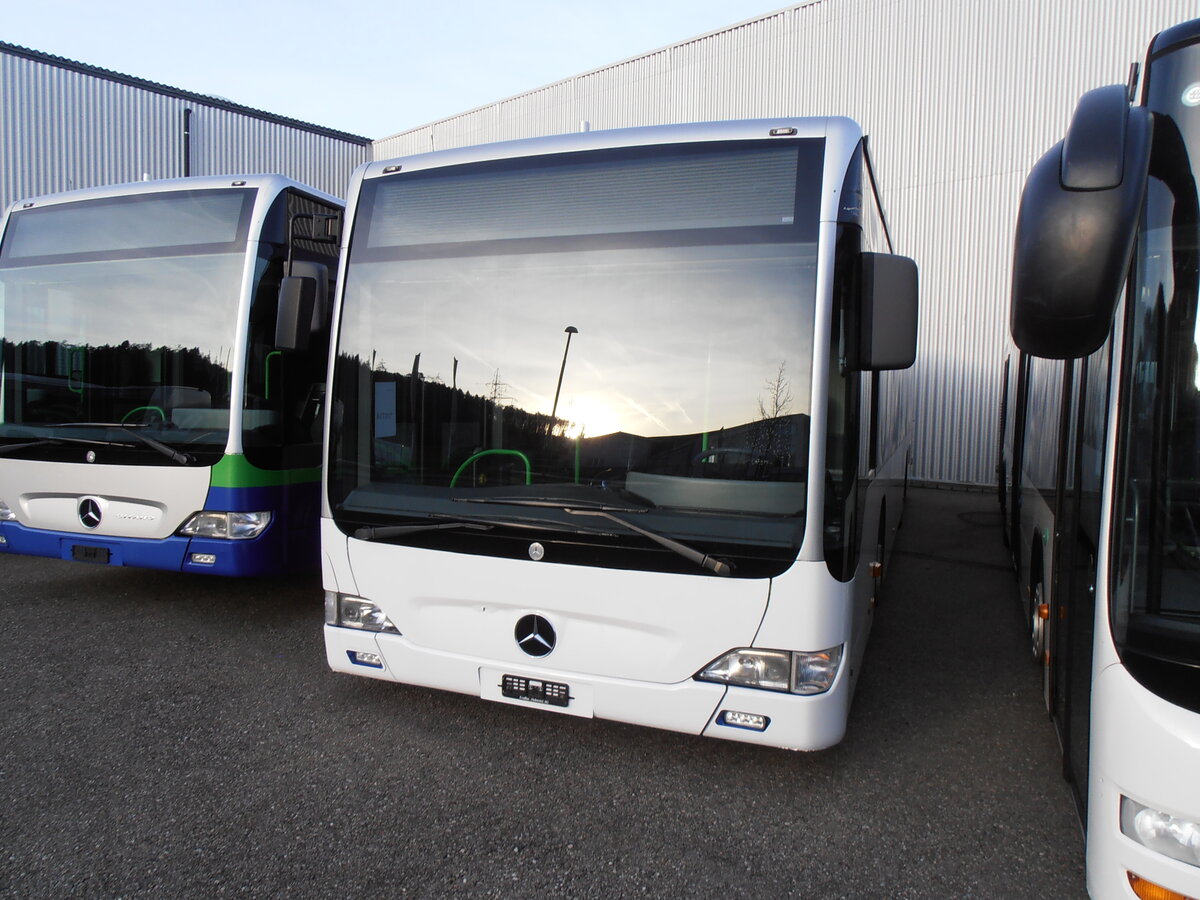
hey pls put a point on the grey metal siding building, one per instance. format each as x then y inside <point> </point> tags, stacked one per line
<point>959,98</point>
<point>66,125</point>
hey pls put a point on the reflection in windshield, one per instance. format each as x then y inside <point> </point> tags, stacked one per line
<point>1157,609</point>
<point>136,341</point>
<point>580,366</point>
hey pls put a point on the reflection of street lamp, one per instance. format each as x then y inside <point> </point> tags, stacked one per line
<point>568,331</point>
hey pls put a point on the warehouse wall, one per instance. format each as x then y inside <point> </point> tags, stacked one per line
<point>65,125</point>
<point>959,99</point>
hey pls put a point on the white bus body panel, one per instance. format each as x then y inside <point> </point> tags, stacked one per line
<point>142,502</point>
<point>1147,749</point>
<point>628,645</point>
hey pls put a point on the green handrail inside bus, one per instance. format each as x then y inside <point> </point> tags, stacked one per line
<point>137,409</point>
<point>267,373</point>
<point>470,459</point>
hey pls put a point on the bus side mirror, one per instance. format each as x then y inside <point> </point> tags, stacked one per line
<point>293,321</point>
<point>1076,225</point>
<point>888,315</point>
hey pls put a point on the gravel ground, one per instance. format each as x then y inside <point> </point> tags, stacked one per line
<point>176,736</point>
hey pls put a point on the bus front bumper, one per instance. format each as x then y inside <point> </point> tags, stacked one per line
<point>768,718</point>
<point>257,556</point>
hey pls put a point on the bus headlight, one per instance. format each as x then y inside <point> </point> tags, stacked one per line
<point>356,613</point>
<point>791,671</point>
<point>6,513</point>
<point>1161,832</point>
<point>233,526</point>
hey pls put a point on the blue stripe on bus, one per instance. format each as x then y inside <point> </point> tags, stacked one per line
<point>294,509</point>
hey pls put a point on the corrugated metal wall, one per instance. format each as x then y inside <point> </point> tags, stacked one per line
<point>960,98</point>
<point>61,128</point>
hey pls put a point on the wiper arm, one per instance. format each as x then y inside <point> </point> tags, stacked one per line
<point>183,459</point>
<point>606,512</point>
<point>376,532</point>
<point>701,559</point>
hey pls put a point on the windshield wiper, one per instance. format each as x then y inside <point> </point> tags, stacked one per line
<point>50,441</point>
<point>716,566</point>
<point>554,503</point>
<point>184,459</point>
<point>376,532</point>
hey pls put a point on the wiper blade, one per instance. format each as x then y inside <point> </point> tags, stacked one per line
<point>716,566</point>
<point>552,503</point>
<point>376,532</point>
<point>43,442</point>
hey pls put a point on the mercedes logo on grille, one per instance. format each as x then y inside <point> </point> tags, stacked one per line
<point>89,513</point>
<point>535,635</point>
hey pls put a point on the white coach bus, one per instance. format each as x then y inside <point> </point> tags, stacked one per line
<point>1105,511</point>
<point>612,429</point>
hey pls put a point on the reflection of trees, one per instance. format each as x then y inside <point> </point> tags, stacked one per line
<point>438,427</point>
<point>54,381</point>
<point>771,440</point>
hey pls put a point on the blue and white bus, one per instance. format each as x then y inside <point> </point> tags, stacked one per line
<point>159,404</point>
<point>614,429</point>
<point>1104,491</point>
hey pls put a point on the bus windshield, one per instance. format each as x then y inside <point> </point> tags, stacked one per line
<point>118,315</point>
<point>1156,614</point>
<point>629,329</point>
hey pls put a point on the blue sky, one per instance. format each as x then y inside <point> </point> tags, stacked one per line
<point>369,67</point>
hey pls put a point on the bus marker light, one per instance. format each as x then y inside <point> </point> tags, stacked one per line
<point>6,513</point>
<point>363,658</point>
<point>1148,890</point>
<point>3,540</point>
<point>751,721</point>
<point>204,559</point>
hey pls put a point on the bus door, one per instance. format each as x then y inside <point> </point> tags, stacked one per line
<point>1073,602</point>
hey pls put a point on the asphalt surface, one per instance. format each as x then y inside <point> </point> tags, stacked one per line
<point>178,736</point>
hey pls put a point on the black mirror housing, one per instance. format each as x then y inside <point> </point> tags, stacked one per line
<point>888,315</point>
<point>1076,226</point>
<point>297,302</point>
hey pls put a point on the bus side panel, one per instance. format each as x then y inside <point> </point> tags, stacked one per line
<point>1141,745</point>
<point>290,542</point>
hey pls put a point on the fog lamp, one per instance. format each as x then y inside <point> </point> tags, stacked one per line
<point>363,658</point>
<point>1161,832</point>
<point>232,526</point>
<point>752,721</point>
<point>204,559</point>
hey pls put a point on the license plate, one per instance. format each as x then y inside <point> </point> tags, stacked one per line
<point>552,693</point>
<point>86,553</point>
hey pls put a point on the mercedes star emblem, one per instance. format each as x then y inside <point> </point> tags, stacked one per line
<point>535,635</point>
<point>89,513</point>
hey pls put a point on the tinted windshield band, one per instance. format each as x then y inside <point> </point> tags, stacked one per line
<point>178,223</point>
<point>599,192</point>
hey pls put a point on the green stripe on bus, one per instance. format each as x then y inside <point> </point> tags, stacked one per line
<point>235,471</point>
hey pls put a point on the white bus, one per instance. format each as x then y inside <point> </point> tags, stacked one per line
<point>1105,485</point>
<point>159,405</point>
<point>610,433</point>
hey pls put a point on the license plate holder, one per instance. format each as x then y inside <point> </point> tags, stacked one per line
<point>535,690</point>
<point>90,553</point>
